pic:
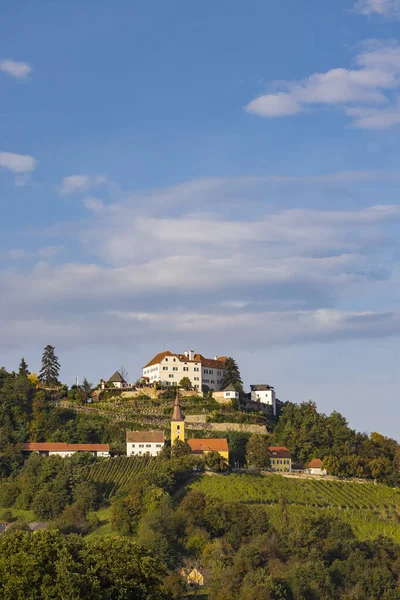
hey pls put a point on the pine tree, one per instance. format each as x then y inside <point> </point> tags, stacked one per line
<point>232,375</point>
<point>50,367</point>
<point>23,368</point>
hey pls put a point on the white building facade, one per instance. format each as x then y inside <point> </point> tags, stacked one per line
<point>141,443</point>
<point>66,450</point>
<point>265,394</point>
<point>168,369</point>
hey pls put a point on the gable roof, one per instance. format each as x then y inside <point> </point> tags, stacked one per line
<point>63,447</point>
<point>315,463</point>
<point>218,363</point>
<point>230,388</point>
<point>117,378</point>
<point>279,452</point>
<point>208,445</point>
<point>145,436</point>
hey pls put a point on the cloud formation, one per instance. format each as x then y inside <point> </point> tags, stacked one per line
<point>19,70</point>
<point>17,163</point>
<point>80,183</point>
<point>171,260</point>
<point>366,93</point>
<point>386,8</point>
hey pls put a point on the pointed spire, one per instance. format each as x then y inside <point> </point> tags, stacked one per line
<point>177,414</point>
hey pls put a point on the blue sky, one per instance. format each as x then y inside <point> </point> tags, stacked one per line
<point>221,176</point>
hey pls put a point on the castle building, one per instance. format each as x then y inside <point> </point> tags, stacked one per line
<point>199,446</point>
<point>168,369</point>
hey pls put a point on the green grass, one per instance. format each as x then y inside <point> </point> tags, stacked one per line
<point>104,528</point>
<point>370,509</point>
<point>25,515</point>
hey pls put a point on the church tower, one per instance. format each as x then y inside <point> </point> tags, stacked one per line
<point>177,422</point>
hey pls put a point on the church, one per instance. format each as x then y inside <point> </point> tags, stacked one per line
<point>139,443</point>
<point>199,446</point>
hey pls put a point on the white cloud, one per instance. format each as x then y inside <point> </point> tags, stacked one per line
<point>80,183</point>
<point>386,8</point>
<point>17,163</point>
<point>93,204</point>
<point>170,260</point>
<point>20,70</point>
<point>367,87</point>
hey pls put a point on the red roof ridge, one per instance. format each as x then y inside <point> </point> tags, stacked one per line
<point>60,446</point>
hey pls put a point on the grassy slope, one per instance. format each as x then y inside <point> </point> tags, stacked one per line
<point>370,509</point>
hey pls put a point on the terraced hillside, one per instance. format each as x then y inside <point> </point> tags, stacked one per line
<point>370,509</point>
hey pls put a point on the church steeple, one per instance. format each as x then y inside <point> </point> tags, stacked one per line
<point>177,422</point>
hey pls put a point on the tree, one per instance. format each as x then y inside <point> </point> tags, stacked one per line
<point>216,462</point>
<point>180,448</point>
<point>23,368</point>
<point>124,373</point>
<point>257,454</point>
<point>33,378</point>
<point>50,367</point>
<point>185,383</point>
<point>232,375</point>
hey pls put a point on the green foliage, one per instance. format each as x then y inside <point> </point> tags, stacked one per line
<point>185,383</point>
<point>180,448</point>
<point>215,462</point>
<point>232,375</point>
<point>23,368</point>
<point>50,367</point>
<point>257,454</point>
<point>309,434</point>
<point>49,565</point>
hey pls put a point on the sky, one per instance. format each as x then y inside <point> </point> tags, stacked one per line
<point>219,176</point>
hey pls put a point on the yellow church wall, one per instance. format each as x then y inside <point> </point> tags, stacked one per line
<point>177,431</point>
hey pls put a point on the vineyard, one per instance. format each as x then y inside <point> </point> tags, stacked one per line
<point>370,509</point>
<point>117,472</point>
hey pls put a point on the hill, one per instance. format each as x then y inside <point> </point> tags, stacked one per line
<point>370,509</point>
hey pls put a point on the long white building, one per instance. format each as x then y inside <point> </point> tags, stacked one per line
<point>168,368</point>
<point>144,442</point>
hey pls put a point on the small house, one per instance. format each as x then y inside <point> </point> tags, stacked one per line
<point>117,380</point>
<point>280,459</point>
<point>315,467</point>
<point>144,442</point>
<point>226,395</point>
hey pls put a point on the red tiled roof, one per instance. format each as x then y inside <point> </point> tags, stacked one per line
<point>315,463</point>
<point>145,436</point>
<point>63,447</point>
<point>208,445</point>
<point>197,358</point>
<point>279,451</point>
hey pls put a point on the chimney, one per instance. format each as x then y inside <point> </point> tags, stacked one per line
<point>186,353</point>
<point>215,357</point>
<point>102,383</point>
<point>191,354</point>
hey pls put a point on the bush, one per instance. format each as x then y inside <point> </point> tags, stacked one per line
<point>8,493</point>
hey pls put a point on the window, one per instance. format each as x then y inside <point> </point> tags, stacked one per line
<point>174,360</point>
<point>174,368</point>
<point>165,368</point>
<point>186,368</point>
<point>218,373</point>
<point>196,378</point>
<point>158,445</point>
<point>133,445</point>
<point>206,371</point>
<point>171,375</point>
<point>166,359</point>
<point>212,381</point>
<point>148,445</point>
<point>167,383</point>
<point>227,394</point>
<point>279,462</point>
<point>178,427</point>
<point>285,462</point>
<point>141,445</point>
<point>140,452</point>
<point>196,369</point>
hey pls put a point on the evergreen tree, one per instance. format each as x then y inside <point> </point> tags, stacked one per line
<point>50,367</point>
<point>23,368</point>
<point>232,375</point>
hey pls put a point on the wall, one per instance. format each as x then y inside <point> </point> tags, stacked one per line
<point>134,451</point>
